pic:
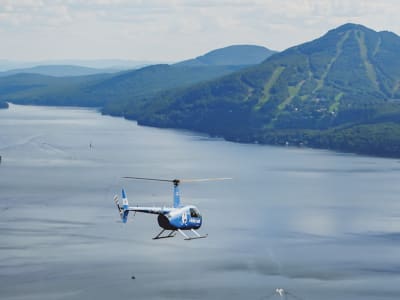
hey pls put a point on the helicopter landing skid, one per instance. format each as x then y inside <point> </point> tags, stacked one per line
<point>160,236</point>
<point>173,233</point>
<point>196,235</point>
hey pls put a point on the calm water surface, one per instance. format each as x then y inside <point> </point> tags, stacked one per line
<point>319,224</point>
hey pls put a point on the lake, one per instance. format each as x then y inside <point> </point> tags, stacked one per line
<point>320,224</point>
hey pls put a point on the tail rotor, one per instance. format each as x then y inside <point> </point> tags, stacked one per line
<point>124,209</point>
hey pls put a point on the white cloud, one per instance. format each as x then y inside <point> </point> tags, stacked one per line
<point>176,29</point>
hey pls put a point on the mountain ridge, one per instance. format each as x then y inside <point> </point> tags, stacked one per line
<point>349,76</point>
<point>230,56</point>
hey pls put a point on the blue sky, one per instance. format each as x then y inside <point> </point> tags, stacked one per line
<point>162,30</point>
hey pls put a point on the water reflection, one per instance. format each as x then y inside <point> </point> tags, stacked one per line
<point>320,224</point>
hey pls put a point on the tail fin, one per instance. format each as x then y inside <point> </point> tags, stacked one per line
<point>124,210</point>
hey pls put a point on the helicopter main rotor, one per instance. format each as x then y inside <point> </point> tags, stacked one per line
<point>176,182</point>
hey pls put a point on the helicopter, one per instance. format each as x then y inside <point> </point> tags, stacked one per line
<point>178,218</point>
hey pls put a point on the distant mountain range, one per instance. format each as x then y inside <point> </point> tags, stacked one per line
<point>340,91</point>
<point>120,92</point>
<point>59,71</point>
<point>112,64</point>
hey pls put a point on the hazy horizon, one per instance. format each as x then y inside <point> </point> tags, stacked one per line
<point>12,65</point>
<point>118,64</point>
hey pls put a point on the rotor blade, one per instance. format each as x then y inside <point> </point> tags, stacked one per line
<point>152,179</point>
<point>205,179</point>
<point>178,180</point>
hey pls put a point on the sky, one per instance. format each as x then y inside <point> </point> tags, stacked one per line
<point>170,31</point>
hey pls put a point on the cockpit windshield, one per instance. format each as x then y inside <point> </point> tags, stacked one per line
<point>194,213</point>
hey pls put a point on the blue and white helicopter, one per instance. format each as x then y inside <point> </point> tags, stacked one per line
<point>174,219</point>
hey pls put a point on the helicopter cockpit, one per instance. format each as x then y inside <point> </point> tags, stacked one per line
<point>194,213</point>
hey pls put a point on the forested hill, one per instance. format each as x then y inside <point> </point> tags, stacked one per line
<point>130,91</point>
<point>127,91</point>
<point>340,91</point>
<point>231,56</point>
<point>101,89</point>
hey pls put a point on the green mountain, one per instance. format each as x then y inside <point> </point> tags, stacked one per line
<point>341,91</point>
<point>231,56</point>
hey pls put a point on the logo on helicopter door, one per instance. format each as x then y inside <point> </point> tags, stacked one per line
<point>184,218</point>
